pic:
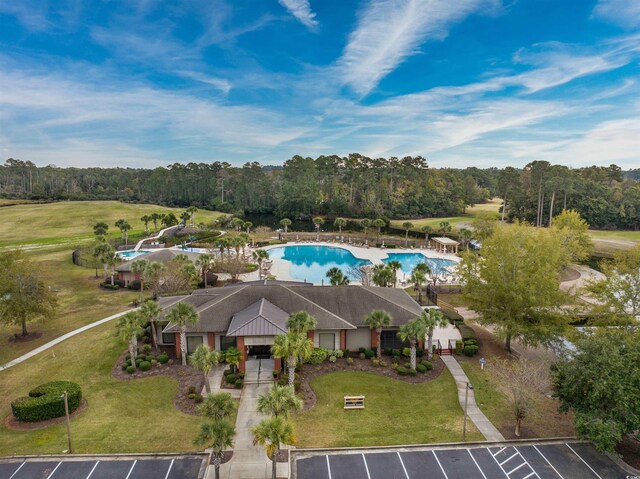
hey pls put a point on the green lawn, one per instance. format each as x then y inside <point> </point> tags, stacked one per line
<point>396,412</point>
<point>456,221</point>
<point>68,222</point>
<point>122,416</point>
<point>616,235</point>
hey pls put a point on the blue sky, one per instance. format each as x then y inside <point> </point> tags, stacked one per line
<point>462,83</point>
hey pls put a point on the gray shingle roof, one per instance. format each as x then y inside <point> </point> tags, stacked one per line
<point>262,318</point>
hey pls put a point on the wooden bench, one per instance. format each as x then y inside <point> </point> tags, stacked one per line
<point>354,402</point>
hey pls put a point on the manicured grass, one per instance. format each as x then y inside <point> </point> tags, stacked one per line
<point>616,235</point>
<point>395,412</point>
<point>72,221</point>
<point>455,221</point>
<point>122,416</point>
<point>80,301</point>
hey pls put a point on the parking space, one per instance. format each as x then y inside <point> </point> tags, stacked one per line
<point>573,460</point>
<point>179,467</point>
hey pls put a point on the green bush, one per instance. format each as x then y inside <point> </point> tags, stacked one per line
<point>402,371</point>
<point>318,355</point>
<point>421,368</point>
<point>146,349</point>
<point>419,353</point>
<point>231,378</point>
<point>141,357</point>
<point>362,350</point>
<point>239,382</point>
<point>407,365</point>
<point>362,355</point>
<point>241,375</point>
<point>471,342</point>
<point>396,352</point>
<point>383,364</point>
<point>192,395</point>
<point>376,362</point>
<point>198,398</point>
<point>192,390</point>
<point>131,369</point>
<point>275,373</point>
<point>459,347</point>
<point>369,353</point>
<point>471,350</point>
<point>427,364</point>
<point>45,401</point>
<point>125,366</point>
<point>163,358</point>
<point>388,351</point>
<point>466,332</point>
<point>406,352</point>
<point>346,353</point>
<point>227,372</point>
<point>145,366</point>
<point>350,360</point>
<point>411,372</point>
<point>297,384</point>
<point>332,359</point>
<point>451,315</point>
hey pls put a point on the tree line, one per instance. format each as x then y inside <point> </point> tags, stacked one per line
<point>351,186</point>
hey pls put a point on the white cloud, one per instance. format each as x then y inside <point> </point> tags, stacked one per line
<point>31,16</point>
<point>302,11</point>
<point>389,31</point>
<point>625,13</point>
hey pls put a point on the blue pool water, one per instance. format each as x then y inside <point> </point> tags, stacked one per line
<point>411,260</point>
<point>131,254</point>
<point>311,263</point>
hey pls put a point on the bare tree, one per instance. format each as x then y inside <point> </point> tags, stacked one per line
<point>362,274</point>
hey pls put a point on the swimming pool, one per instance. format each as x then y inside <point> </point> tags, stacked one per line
<point>411,260</point>
<point>310,262</point>
<point>131,254</point>
<point>189,249</point>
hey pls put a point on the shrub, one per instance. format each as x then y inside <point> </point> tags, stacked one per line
<point>376,362</point>
<point>146,349</point>
<point>275,373</point>
<point>459,347</point>
<point>297,384</point>
<point>332,359</point>
<point>338,353</point>
<point>141,357</point>
<point>128,357</point>
<point>411,372</point>
<point>131,369</point>
<point>407,365</point>
<point>163,358</point>
<point>369,353</point>
<point>471,342</point>
<point>231,378</point>
<point>227,372</point>
<point>451,315</point>
<point>350,360</point>
<point>239,382</point>
<point>45,401</point>
<point>406,352</point>
<point>135,285</point>
<point>419,353</point>
<point>192,395</point>
<point>470,350</point>
<point>383,363</point>
<point>394,365</point>
<point>145,366</point>
<point>421,368</point>
<point>110,286</point>
<point>198,398</point>
<point>125,366</point>
<point>154,362</point>
<point>318,355</point>
<point>401,370</point>
<point>346,353</point>
<point>192,389</point>
<point>466,332</point>
<point>362,350</point>
<point>396,352</point>
<point>362,356</point>
<point>427,364</point>
<point>241,375</point>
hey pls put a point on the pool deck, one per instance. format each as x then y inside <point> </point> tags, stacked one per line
<point>280,268</point>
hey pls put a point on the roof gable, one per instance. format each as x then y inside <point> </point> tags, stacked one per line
<point>262,318</point>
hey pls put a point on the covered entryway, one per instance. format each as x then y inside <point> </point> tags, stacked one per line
<point>259,351</point>
<point>259,371</point>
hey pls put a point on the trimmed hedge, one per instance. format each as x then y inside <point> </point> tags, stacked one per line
<point>45,401</point>
<point>163,358</point>
<point>451,315</point>
<point>145,366</point>
<point>427,364</point>
<point>421,368</point>
<point>466,332</point>
<point>459,347</point>
<point>471,350</point>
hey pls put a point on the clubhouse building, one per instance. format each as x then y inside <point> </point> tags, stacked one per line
<point>249,316</point>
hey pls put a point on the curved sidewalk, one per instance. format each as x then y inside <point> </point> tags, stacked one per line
<point>58,340</point>
<point>488,430</point>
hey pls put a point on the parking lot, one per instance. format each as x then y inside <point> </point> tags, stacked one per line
<point>575,460</point>
<point>112,467</point>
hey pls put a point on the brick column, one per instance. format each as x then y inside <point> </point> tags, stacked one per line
<point>211,339</point>
<point>243,352</point>
<point>178,351</point>
<point>311,335</point>
<point>277,364</point>
<point>374,339</point>
<point>343,339</point>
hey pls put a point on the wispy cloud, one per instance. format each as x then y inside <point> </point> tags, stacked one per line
<point>389,31</point>
<point>625,13</point>
<point>302,11</point>
<point>32,17</point>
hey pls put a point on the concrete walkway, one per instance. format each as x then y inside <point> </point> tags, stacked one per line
<point>215,380</point>
<point>53,342</point>
<point>248,461</point>
<point>478,418</point>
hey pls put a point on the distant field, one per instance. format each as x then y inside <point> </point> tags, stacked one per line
<point>66,222</point>
<point>455,221</point>
<point>5,202</point>
<point>615,235</point>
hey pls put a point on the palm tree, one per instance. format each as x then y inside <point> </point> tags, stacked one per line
<point>124,228</point>
<point>150,310</point>
<point>222,243</point>
<point>340,223</point>
<point>301,322</point>
<point>285,223</point>
<point>217,436</point>
<point>394,266</point>
<point>417,278</point>
<point>152,274</point>
<point>155,217</point>
<point>445,227</point>
<point>138,267</point>
<point>184,216</point>
<point>382,275</point>
<point>146,219</point>
<point>413,332</point>
<point>192,213</point>
<point>427,230</point>
<point>378,223</point>
<point>292,346</point>
<point>270,433</point>
<point>260,255</point>
<point>203,359</point>
<point>233,356</point>
<point>318,222</point>
<point>247,226</point>
<point>218,407</point>
<point>100,229</point>
<point>407,225</point>
<point>377,320</point>
<point>337,277</point>
<point>129,326</point>
<point>112,259</point>
<point>237,242</point>
<point>279,401</point>
<point>366,224</point>
<point>204,262</point>
<point>169,219</point>
<point>103,252</point>
<point>432,318</point>
<point>465,236</point>
<point>183,314</point>
<point>237,223</point>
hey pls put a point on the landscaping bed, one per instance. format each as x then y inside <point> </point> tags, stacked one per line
<point>311,371</point>
<point>190,380</point>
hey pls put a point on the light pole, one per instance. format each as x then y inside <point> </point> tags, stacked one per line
<point>66,411</point>
<point>466,400</point>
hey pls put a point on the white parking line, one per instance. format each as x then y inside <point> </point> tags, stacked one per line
<point>438,461</point>
<point>494,455</point>
<point>529,475</point>
<point>526,462</point>
<point>559,475</point>
<point>585,462</point>
<point>404,468</point>
<point>54,470</point>
<point>131,470</point>
<point>328,467</point>
<point>511,457</point>
<point>474,461</point>
<point>94,468</point>
<point>169,470</point>
<point>366,466</point>
<point>517,467</point>
<point>17,470</point>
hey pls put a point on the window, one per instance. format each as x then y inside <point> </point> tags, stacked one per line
<point>390,339</point>
<point>226,342</point>
<point>193,342</point>
<point>168,338</point>
<point>327,340</point>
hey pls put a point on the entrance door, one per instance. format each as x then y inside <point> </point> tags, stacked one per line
<point>260,351</point>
